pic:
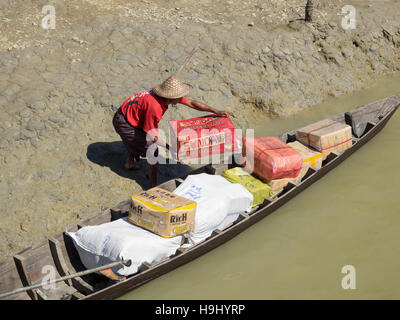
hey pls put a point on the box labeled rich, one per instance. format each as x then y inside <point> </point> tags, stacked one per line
<point>162,212</point>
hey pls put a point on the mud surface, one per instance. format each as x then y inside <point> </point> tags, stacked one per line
<point>61,160</point>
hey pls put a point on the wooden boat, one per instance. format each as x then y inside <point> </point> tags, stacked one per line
<point>26,267</point>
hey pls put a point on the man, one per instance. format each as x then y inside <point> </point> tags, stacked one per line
<point>140,114</point>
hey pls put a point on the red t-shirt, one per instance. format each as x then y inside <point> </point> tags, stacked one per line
<point>145,109</point>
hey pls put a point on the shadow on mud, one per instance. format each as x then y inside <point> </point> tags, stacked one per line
<point>114,154</point>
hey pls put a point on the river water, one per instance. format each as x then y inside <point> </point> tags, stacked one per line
<point>351,216</point>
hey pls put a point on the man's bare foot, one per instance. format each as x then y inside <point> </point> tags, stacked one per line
<point>130,164</point>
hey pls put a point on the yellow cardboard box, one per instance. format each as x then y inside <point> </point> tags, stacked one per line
<point>326,136</point>
<point>162,212</point>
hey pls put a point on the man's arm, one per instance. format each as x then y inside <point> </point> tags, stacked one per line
<point>197,105</point>
<point>161,143</point>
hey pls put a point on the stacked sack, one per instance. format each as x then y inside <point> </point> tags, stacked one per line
<point>219,203</point>
<point>199,205</point>
<point>121,240</point>
<point>159,222</point>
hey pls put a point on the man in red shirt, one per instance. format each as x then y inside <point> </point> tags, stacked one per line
<point>140,114</point>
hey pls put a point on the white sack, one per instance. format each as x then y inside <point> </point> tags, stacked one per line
<point>113,241</point>
<point>219,203</point>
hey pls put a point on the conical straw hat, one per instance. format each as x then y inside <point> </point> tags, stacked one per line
<point>172,88</point>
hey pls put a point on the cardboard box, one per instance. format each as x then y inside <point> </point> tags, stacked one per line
<point>162,212</point>
<point>326,136</point>
<point>310,157</point>
<point>258,189</point>
<point>202,137</point>
<point>270,158</point>
<point>278,184</point>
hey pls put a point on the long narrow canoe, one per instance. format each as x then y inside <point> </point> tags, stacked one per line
<point>58,257</point>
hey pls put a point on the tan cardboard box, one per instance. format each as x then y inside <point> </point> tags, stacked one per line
<point>310,157</point>
<point>162,212</point>
<point>278,184</point>
<point>326,136</point>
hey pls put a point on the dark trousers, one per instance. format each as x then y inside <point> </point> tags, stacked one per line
<point>133,138</point>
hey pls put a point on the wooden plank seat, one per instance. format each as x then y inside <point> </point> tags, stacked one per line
<point>36,265</point>
<point>10,280</point>
<point>170,185</point>
<point>67,261</point>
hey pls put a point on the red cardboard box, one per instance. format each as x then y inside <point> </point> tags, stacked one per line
<point>204,136</point>
<point>272,158</point>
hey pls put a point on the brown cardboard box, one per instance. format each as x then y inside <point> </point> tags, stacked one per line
<point>310,157</point>
<point>278,184</point>
<point>162,212</point>
<point>326,136</point>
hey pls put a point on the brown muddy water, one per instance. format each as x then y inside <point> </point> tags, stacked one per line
<point>351,216</point>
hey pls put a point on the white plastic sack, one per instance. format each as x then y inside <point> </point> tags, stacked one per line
<point>219,203</point>
<point>113,241</point>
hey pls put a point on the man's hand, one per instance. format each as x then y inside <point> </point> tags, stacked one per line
<point>197,105</point>
<point>173,154</point>
<point>223,113</point>
<point>172,151</point>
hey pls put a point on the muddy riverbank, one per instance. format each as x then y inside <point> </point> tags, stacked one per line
<point>61,160</point>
